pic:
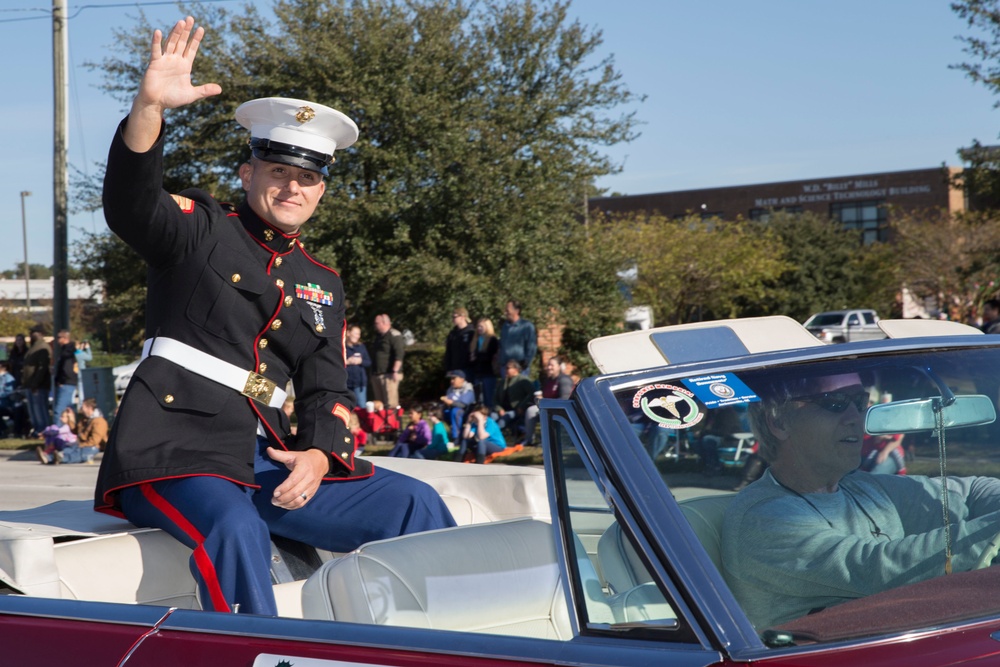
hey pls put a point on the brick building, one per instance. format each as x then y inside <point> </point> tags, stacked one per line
<point>862,202</point>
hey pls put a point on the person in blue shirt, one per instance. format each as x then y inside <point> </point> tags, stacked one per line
<point>518,338</point>
<point>83,354</point>
<point>482,434</point>
<point>457,399</point>
<point>440,440</point>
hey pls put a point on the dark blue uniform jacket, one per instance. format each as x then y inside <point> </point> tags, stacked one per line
<point>229,284</point>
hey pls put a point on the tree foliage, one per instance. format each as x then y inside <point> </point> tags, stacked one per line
<point>952,259</point>
<point>826,268</point>
<point>104,258</point>
<point>481,125</point>
<point>690,269</point>
<point>981,178</point>
<point>35,271</point>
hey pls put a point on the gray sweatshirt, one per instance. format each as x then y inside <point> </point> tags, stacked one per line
<point>785,555</point>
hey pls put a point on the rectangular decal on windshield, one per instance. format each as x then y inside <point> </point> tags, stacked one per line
<point>720,389</point>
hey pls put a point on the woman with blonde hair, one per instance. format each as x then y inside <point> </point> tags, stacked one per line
<point>483,353</point>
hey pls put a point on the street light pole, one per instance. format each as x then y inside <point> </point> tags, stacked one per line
<point>24,232</point>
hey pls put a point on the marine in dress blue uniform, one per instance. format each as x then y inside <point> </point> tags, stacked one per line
<point>236,307</point>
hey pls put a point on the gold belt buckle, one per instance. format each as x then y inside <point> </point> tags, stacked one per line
<point>259,388</point>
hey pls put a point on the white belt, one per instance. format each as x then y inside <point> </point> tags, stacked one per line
<point>248,383</point>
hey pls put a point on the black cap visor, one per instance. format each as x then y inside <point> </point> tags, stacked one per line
<point>274,151</point>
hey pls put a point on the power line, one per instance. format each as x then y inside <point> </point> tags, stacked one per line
<point>47,13</point>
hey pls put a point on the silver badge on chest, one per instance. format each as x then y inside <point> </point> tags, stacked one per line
<point>317,315</point>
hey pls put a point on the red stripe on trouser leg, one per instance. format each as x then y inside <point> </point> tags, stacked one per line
<point>206,568</point>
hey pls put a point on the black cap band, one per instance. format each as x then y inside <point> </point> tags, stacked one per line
<point>275,151</point>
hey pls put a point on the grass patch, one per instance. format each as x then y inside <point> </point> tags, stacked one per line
<point>18,443</point>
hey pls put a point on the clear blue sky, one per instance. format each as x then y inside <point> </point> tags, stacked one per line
<point>737,92</point>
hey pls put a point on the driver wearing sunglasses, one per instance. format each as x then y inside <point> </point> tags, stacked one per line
<point>814,531</point>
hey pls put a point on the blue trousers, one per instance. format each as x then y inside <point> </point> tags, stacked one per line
<point>63,399</point>
<point>38,409</point>
<point>229,526</point>
<point>455,417</point>
<point>480,447</point>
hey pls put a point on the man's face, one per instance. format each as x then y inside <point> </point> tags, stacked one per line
<point>382,324</point>
<point>63,339</point>
<point>990,313</point>
<point>552,368</point>
<point>87,411</point>
<point>819,443</point>
<point>510,312</point>
<point>512,371</point>
<point>457,382</point>
<point>283,195</point>
<point>460,320</point>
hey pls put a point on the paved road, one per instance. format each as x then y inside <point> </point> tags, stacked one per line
<point>24,482</point>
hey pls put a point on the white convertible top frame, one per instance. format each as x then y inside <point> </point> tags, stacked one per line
<point>720,339</point>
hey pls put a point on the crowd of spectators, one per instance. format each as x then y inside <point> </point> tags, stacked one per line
<point>489,395</point>
<point>39,373</point>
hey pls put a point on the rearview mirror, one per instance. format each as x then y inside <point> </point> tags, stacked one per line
<point>919,414</point>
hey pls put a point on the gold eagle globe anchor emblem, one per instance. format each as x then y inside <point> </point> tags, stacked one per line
<point>305,114</point>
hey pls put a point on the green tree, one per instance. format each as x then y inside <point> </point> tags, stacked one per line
<point>952,259</point>
<point>11,321</point>
<point>823,268</point>
<point>104,258</point>
<point>481,129</point>
<point>691,269</point>
<point>981,177</point>
<point>35,272</point>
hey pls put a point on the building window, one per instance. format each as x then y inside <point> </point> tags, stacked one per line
<point>764,214</point>
<point>867,217</point>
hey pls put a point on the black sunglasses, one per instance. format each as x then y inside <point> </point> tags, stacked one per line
<point>837,401</point>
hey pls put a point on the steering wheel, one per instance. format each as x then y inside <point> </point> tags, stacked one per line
<point>991,551</point>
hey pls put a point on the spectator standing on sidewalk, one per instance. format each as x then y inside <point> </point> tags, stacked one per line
<point>518,339</point>
<point>83,355</point>
<point>388,350</point>
<point>485,364</point>
<point>36,379</point>
<point>358,363</point>
<point>458,345</point>
<point>66,372</point>
<point>16,352</point>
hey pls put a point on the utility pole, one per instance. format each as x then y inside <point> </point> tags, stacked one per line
<point>24,233</point>
<point>60,179</point>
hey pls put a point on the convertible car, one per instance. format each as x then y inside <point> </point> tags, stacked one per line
<point>612,555</point>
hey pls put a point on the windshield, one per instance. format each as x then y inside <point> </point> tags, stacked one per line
<point>825,320</point>
<point>833,473</point>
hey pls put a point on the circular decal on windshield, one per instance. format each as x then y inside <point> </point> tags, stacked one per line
<point>669,406</point>
<point>721,390</point>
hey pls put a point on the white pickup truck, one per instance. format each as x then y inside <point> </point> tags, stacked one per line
<point>845,326</point>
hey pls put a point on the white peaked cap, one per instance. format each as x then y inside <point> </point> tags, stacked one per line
<point>296,131</point>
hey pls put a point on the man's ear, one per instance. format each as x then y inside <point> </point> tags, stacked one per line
<point>776,423</point>
<point>246,174</point>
